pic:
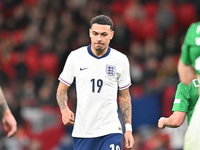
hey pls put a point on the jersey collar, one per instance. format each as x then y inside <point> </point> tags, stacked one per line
<point>92,54</point>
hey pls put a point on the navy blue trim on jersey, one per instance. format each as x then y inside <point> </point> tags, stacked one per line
<point>92,54</point>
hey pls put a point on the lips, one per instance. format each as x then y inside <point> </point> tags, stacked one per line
<point>99,44</point>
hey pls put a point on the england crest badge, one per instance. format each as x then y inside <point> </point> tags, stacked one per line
<point>110,70</point>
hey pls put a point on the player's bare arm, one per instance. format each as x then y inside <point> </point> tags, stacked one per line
<point>3,103</point>
<point>8,120</point>
<point>126,110</point>
<point>62,98</point>
<point>186,73</point>
<point>174,121</point>
<point>125,105</point>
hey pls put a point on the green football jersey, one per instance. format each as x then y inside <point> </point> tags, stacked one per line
<point>186,97</point>
<point>190,54</point>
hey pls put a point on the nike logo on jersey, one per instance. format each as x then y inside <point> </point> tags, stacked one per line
<point>83,69</point>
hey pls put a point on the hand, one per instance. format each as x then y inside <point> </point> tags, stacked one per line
<point>9,123</point>
<point>129,141</point>
<point>67,116</point>
<point>161,123</point>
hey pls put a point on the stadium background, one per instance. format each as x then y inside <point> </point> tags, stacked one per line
<point>36,37</point>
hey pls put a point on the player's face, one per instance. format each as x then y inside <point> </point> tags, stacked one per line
<point>100,37</point>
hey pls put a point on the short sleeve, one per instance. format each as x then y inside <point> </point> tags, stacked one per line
<point>67,75</point>
<point>124,79</point>
<point>181,102</point>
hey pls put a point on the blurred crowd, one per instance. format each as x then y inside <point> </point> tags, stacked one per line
<point>36,36</point>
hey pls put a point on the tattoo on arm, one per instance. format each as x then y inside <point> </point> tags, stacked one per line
<point>3,103</point>
<point>62,98</point>
<point>125,105</point>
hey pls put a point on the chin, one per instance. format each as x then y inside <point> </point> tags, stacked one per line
<point>99,49</point>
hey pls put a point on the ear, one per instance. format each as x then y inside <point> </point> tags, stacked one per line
<point>112,34</point>
<point>90,32</point>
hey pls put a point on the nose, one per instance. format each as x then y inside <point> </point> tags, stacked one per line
<point>99,38</point>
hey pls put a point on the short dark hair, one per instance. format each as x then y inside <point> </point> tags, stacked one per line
<point>103,20</point>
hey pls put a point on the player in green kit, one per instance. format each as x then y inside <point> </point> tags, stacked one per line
<point>184,104</point>
<point>189,64</point>
<point>188,69</point>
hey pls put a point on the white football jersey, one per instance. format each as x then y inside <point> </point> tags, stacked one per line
<point>97,81</point>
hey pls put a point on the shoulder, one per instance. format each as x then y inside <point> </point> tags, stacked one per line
<point>194,28</point>
<point>78,52</point>
<point>193,34</point>
<point>194,25</point>
<point>118,54</point>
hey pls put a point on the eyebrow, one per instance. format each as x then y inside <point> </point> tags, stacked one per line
<point>100,33</point>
